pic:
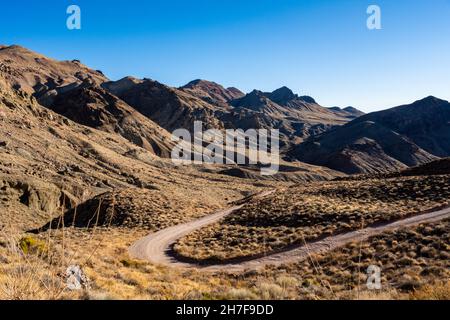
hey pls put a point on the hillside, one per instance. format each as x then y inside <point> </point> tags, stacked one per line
<point>426,122</point>
<point>212,92</point>
<point>171,108</point>
<point>383,141</point>
<point>36,74</point>
<point>92,106</point>
<point>69,143</point>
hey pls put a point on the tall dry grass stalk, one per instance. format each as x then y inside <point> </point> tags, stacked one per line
<point>35,268</point>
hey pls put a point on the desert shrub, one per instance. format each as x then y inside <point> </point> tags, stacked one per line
<point>31,245</point>
<point>436,291</point>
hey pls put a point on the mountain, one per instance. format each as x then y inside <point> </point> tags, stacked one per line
<point>363,147</point>
<point>93,106</point>
<point>426,122</point>
<point>144,111</point>
<point>297,117</point>
<point>349,112</point>
<point>212,92</point>
<point>284,104</point>
<point>169,107</point>
<point>388,140</point>
<point>34,73</point>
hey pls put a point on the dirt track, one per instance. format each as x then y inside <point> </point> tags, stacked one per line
<point>157,246</point>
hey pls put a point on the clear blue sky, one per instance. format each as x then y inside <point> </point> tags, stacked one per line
<point>320,48</point>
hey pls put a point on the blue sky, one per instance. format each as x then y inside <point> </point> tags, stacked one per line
<point>320,48</point>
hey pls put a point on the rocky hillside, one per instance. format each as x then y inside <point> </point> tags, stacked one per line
<point>65,145</point>
<point>36,74</point>
<point>297,117</point>
<point>169,107</point>
<point>92,106</point>
<point>426,122</point>
<point>383,141</point>
<point>212,92</point>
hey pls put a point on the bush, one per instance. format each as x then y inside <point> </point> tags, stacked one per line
<point>31,245</point>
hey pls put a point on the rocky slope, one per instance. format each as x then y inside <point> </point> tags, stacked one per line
<point>73,90</point>
<point>297,117</point>
<point>36,74</point>
<point>383,141</point>
<point>212,92</point>
<point>92,106</point>
<point>426,122</point>
<point>171,108</point>
<point>74,141</point>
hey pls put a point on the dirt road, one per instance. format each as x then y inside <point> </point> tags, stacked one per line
<point>157,246</point>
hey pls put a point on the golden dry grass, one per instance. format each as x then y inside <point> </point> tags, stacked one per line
<point>306,213</point>
<point>414,263</point>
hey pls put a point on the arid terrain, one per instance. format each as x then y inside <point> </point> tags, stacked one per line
<point>85,173</point>
<point>307,213</point>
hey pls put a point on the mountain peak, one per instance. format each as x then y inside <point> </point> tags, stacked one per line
<point>350,109</point>
<point>282,95</point>
<point>307,99</point>
<point>197,82</point>
<point>122,85</point>
<point>431,100</point>
<point>236,92</point>
<point>211,92</point>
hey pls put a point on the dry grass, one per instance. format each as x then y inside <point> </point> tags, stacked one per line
<point>409,259</point>
<point>306,213</point>
<point>336,275</point>
<point>32,268</point>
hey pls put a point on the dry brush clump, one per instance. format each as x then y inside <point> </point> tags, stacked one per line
<point>32,267</point>
<point>306,213</point>
<point>133,208</point>
<point>43,265</point>
<point>340,274</point>
<point>414,262</point>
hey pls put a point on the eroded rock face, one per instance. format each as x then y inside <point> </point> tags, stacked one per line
<point>35,195</point>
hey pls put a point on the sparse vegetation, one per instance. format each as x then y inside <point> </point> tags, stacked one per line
<point>31,245</point>
<point>84,174</point>
<point>414,262</point>
<point>306,213</point>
